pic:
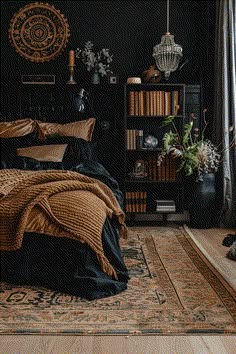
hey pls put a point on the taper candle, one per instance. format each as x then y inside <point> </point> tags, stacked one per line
<point>71,58</point>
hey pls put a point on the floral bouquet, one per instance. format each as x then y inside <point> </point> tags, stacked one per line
<point>195,153</point>
<point>95,60</point>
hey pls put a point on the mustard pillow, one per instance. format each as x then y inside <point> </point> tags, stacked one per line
<point>19,127</point>
<point>53,152</point>
<point>82,129</point>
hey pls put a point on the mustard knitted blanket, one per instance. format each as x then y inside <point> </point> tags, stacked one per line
<point>62,195</point>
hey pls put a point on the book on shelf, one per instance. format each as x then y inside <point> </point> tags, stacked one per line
<point>167,96</point>
<point>131,103</point>
<point>141,110</point>
<point>167,169</point>
<point>165,205</point>
<point>136,101</point>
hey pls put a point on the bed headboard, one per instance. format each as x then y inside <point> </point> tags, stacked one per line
<point>54,103</point>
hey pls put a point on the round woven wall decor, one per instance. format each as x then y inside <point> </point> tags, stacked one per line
<point>39,32</point>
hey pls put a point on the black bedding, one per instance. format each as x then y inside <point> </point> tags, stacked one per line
<point>67,265</point>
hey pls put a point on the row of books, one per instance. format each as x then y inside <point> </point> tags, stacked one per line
<point>153,103</point>
<point>165,170</point>
<point>134,139</point>
<point>136,202</point>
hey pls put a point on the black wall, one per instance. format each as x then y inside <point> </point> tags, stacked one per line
<point>129,29</point>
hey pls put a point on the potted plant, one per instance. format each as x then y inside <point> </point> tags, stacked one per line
<point>96,61</point>
<point>199,160</point>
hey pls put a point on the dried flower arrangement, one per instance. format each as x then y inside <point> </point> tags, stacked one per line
<point>197,154</point>
<point>95,60</point>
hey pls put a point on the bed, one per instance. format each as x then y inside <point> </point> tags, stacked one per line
<point>61,211</point>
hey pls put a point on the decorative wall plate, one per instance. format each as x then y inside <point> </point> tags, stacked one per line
<point>39,32</point>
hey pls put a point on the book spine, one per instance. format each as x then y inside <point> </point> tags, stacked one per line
<point>139,139</point>
<point>131,103</point>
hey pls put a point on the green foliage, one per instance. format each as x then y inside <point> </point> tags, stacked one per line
<point>169,139</point>
<point>167,120</point>
<point>194,156</point>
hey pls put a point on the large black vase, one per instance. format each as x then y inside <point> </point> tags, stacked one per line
<point>203,204</point>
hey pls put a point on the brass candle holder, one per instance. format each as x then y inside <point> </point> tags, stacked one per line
<point>71,80</point>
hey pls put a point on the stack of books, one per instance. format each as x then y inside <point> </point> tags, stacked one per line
<point>165,206</point>
<point>136,202</point>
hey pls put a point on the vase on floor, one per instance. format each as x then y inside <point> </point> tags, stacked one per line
<point>202,202</point>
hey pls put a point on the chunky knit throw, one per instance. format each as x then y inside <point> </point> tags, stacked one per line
<point>63,195</point>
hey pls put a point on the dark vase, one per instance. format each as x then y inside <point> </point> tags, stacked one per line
<point>203,205</point>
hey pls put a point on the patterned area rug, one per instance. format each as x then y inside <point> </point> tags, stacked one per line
<point>173,290</point>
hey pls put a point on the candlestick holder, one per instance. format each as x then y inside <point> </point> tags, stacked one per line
<point>71,80</point>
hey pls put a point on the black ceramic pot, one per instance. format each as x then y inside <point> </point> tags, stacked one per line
<point>202,202</point>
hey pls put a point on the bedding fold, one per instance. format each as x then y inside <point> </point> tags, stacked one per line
<point>74,202</point>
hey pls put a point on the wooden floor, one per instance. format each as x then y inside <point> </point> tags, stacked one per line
<point>210,241</point>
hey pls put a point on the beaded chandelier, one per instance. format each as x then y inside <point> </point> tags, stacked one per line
<point>167,54</point>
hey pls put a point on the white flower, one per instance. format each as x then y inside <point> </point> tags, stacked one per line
<point>99,61</point>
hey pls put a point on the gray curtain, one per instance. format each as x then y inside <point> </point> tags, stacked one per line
<point>225,104</point>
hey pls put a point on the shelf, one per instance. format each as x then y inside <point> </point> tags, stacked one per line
<point>146,106</point>
<point>144,150</point>
<point>154,116</point>
<point>139,181</point>
<point>152,212</point>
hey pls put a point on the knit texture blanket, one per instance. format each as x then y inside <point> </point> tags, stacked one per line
<point>62,195</point>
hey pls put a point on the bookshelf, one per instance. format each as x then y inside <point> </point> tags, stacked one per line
<point>150,183</point>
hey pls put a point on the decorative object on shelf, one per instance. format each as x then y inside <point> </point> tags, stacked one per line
<point>167,54</point>
<point>150,142</point>
<point>96,61</point>
<point>71,66</point>
<point>151,75</point>
<point>140,169</point>
<point>134,80</point>
<point>39,32</point>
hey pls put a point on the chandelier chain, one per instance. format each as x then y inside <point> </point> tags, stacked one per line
<point>168,15</point>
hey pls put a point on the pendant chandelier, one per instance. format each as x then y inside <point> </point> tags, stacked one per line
<point>167,54</point>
